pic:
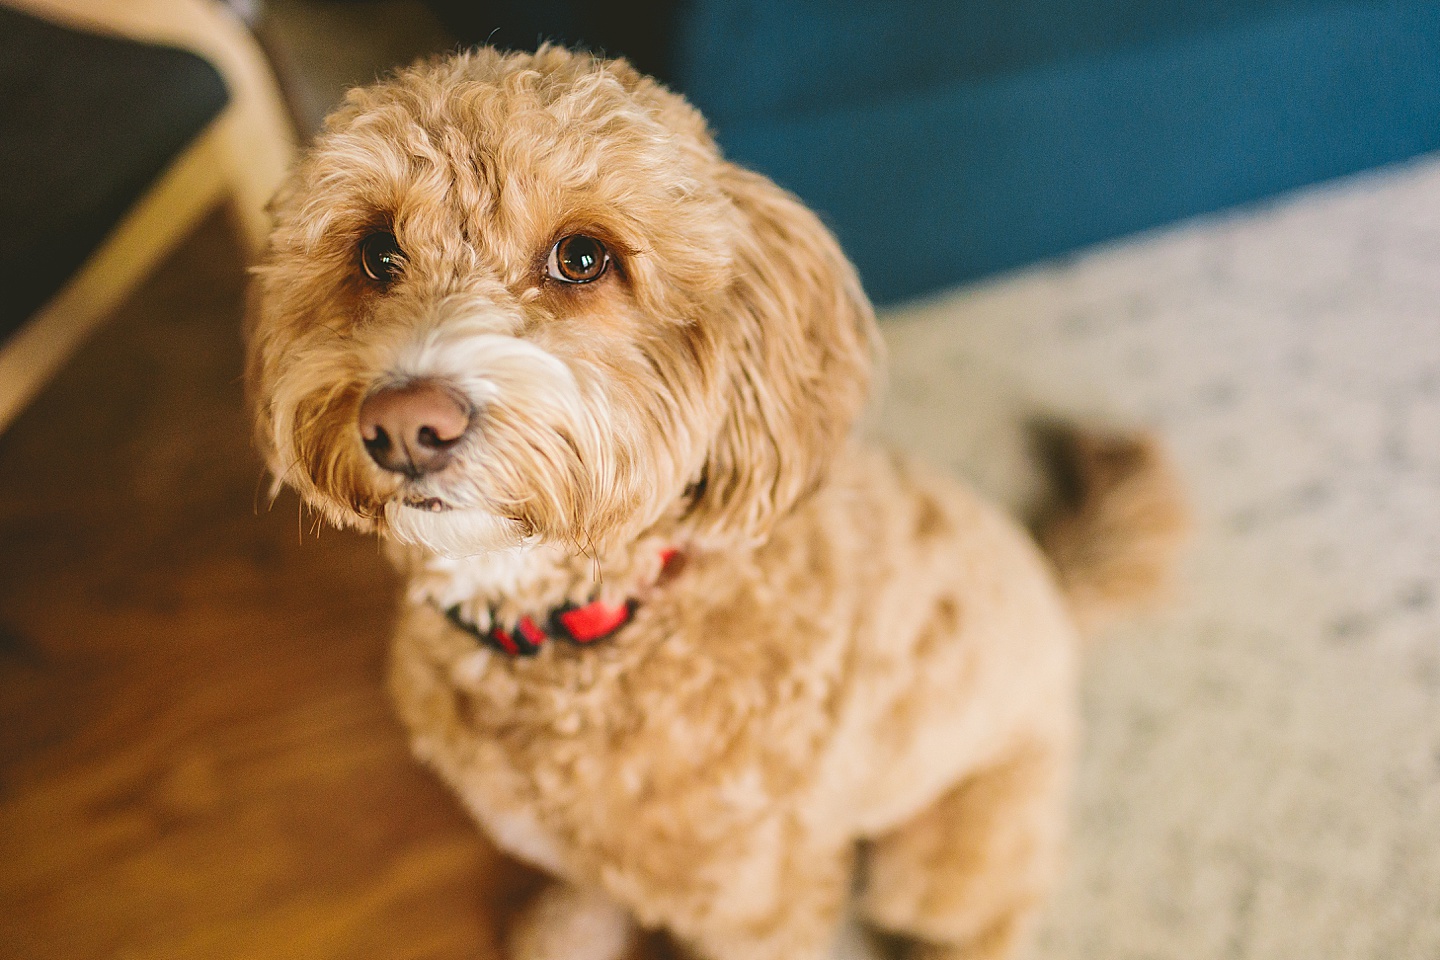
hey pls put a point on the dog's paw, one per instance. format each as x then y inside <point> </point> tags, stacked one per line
<point>566,923</point>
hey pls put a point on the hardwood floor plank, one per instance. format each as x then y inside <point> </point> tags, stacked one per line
<point>197,756</point>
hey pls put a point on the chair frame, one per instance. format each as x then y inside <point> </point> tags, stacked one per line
<point>241,158</point>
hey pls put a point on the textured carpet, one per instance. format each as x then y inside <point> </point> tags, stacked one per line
<point>1262,771</point>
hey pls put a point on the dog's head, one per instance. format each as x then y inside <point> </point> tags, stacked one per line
<point>516,297</point>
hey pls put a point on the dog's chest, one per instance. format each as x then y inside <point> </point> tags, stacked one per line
<point>655,748</point>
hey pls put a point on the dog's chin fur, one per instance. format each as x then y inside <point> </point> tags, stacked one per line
<point>852,654</point>
<point>454,533</point>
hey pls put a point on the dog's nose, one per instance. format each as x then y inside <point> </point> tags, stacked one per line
<point>413,428</point>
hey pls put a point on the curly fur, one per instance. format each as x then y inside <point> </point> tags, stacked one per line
<point>857,665</point>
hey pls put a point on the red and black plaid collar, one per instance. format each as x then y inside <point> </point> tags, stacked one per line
<point>580,625</point>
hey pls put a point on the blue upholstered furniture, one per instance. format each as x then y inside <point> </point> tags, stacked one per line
<point>948,139</point>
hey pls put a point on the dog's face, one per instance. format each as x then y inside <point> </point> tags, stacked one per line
<point>520,297</point>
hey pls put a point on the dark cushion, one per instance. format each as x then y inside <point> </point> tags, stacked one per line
<point>87,123</point>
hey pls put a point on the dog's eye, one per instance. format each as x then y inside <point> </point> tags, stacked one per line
<point>578,259</point>
<point>381,257</point>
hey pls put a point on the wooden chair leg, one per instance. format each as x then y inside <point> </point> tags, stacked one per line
<point>242,156</point>
<point>152,228</point>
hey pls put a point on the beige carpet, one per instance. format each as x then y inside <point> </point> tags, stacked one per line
<point>1262,773</point>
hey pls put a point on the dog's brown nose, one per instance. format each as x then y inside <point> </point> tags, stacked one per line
<point>412,429</point>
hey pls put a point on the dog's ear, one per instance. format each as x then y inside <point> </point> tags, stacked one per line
<point>797,339</point>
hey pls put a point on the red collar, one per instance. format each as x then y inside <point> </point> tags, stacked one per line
<point>580,625</point>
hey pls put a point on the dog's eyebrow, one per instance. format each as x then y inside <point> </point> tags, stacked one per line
<point>595,222</point>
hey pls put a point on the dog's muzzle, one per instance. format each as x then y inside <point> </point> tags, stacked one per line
<point>413,428</point>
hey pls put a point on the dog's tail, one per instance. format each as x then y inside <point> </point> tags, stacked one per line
<point>1115,541</point>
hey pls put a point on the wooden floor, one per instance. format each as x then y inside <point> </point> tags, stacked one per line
<point>197,757</point>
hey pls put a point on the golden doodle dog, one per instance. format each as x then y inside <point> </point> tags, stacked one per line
<point>670,633</point>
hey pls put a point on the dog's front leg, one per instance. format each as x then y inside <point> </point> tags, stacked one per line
<point>564,922</point>
<point>800,924</point>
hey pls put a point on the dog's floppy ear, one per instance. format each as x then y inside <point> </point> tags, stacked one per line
<point>797,339</point>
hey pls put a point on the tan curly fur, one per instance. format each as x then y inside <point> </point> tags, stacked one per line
<point>856,665</point>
